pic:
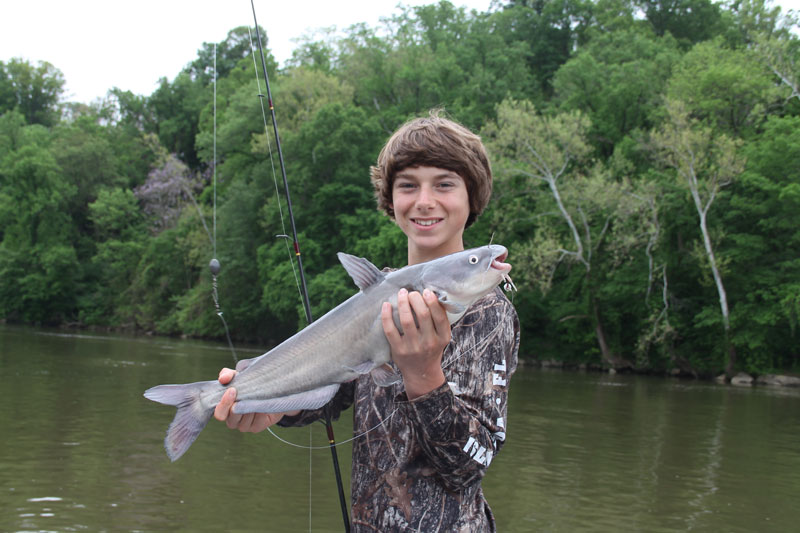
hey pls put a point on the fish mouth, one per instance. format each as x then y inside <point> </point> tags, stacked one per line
<point>498,263</point>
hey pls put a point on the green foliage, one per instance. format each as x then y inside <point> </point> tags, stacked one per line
<point>550,31</point>
<point>33,91</point>
<point>690,21</point>
<point>589,219</point>
<point>597,115</point>
<point>763,221</point>
<point>729,89</point>
<point>617,80</point>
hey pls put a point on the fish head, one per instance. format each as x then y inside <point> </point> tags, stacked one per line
<point>462,278</point>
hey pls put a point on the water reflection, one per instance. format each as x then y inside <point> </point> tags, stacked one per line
<point>81,449</point>
<point>615,453</point>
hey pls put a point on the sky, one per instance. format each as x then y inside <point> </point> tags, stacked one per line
<point>100,44</point>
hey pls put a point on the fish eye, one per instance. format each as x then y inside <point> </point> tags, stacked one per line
<point>473,259</point>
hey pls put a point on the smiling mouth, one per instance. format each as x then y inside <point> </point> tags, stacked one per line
<point>426,222</point>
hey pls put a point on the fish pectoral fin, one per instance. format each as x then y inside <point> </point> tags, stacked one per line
<point>313,399</point>
<point>450,306</point>
<point>363,368</point>
<point>385,375</point>
<point>364,273</point>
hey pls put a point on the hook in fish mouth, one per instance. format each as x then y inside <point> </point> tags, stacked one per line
<point>498,263</point>
<point>509,285</point>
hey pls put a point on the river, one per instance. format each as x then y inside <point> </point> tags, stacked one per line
<point>81,449</point>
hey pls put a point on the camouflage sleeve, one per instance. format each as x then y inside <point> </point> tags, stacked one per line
<point>340,402</point>
<point>461,425</point>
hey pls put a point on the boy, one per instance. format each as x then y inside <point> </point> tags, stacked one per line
<point>425,443</point>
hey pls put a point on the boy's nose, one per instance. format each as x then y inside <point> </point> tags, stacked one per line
<point>425,198</point>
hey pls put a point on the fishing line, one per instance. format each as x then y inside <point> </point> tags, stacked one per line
<point>285,238</point>
<point>298,257</point>
<point>214,265</point>
<point>327,446</point>
<point>310,478</point>
<point>215,150</point>
<point>283,235</point>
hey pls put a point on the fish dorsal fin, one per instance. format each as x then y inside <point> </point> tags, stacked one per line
<point>364,273</point>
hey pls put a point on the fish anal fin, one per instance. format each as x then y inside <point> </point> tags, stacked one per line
<point>312,399</point>
<point>364,273</point>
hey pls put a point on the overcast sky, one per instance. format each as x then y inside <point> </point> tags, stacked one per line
<point>100,44</point>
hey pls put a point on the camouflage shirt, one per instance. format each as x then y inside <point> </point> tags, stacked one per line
<point>417,465</point>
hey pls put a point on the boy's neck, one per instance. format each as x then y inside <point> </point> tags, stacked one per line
<point>418,255</point>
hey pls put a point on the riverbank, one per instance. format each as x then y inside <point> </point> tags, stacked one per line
<point>741,379</point>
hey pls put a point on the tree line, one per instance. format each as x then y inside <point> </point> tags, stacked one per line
<point>646,179</point>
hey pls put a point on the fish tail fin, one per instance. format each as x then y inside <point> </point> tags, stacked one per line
<point>190,419</point>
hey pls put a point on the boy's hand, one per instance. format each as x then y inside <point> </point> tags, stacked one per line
<point>418,351</point>
<point>247,423</point>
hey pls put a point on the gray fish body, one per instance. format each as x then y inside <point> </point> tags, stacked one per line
<point>305,371</point>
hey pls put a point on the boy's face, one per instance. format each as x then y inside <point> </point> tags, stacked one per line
<point>431,206</point>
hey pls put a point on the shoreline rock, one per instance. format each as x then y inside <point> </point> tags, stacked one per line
<point>778,380</point>
<point>742,379</point>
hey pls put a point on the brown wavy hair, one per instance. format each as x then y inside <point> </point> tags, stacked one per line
<point>434,141</point>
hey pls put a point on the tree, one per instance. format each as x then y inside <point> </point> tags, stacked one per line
<point>533,150</point>
<point>762,221</point>
<point>226,55</point>
<point>780,50</point>
<point>86,158</point>
<point>551,32</point>
<point>39,266</point>
<point>34,91</point>
<point>119,234</point>
<point>168,188</point>
<point>690,21</point>
<point>616,80</point>
<point>705,162</point>
<point>123,108</point>
<point>729,89</point>
<point>176,107</point>
<point>316,51</point>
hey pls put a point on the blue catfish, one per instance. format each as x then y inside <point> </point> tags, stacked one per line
<point>305,371</point>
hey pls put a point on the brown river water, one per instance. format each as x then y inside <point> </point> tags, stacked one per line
<point>81,450</point>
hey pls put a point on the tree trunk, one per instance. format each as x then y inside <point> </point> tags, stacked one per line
<point>608,356</point>
<point>564,213</point>
<point>723,298</point>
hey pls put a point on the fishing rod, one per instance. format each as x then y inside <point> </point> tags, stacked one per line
<point>304,292</point>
